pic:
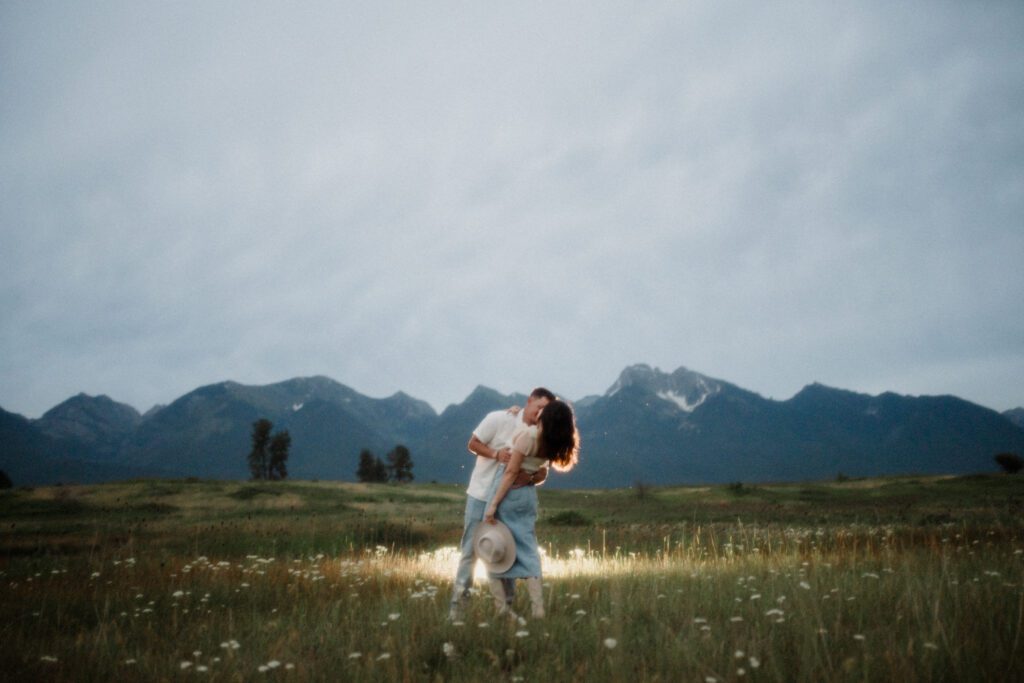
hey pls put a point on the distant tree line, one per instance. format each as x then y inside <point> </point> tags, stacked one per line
<point>269,454</point>
<point>398,467</point>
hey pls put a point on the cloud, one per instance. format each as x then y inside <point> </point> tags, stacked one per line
<point>434,197</point>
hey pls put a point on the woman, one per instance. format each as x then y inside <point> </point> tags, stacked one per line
<point>553,442</point>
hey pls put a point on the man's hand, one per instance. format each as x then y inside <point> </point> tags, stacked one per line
<point>504,455</point>
<point>514,410</point>
<point>489,515</point>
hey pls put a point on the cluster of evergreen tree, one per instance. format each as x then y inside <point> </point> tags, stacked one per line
<point>269,453</point>
<point>397,468</point>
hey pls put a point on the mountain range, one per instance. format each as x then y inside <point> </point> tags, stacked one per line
<point>650,427</point>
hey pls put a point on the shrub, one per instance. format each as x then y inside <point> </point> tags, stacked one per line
<point>569,518</point>
<point>1010,462</point>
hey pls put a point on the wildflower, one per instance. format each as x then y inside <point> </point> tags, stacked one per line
<point>384,656</point>
<point>806,586</point>
<point>273,664</point>
<point>739,654</point>
<point>449,650</point>
<point>129,661</point>
<point>262,668</point>
<point>581,612</point>
<point>931,646</point>
<point>700,620</point>
<point>483,624</point>
<point>736,620</point>
<point>185,665</point>
<point>741,672</point>
<point>610,643</point>
<point>48,658</point>
<point>754,662</point>
<point>289,666</point>
<point>710,679</point>
<point>394,616</point>
<point>858,636</point>
<point>522,634</point>
<point>355,655</point>
<point>197,653</point>
<point>202,668</point>
<point>774,612</point>
<point>755,596</point>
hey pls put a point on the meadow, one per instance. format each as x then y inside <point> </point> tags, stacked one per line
<point>908,579</point>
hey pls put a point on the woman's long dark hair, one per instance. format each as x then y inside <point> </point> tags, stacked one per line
<point>559,441</point>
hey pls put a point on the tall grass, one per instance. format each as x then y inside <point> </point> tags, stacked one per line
<point>356,596</point>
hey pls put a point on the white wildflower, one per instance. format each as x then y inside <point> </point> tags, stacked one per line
<point>610,643</point>
<point>355,655</point>
<point>449,650</point>
<point>273,664</point>
<point>185,665</point>
<point>754,662</point>
<point>522,634</point>
<point>394,616</point>
<point>383,656</point>
<point>931,646</point>
<point>806,586</point>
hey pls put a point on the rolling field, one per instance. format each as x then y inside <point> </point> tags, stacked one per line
<point>861,580</point>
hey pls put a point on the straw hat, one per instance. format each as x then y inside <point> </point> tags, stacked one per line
<point>493,543</point>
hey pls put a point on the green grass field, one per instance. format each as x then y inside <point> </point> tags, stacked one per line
<point>917,579</point>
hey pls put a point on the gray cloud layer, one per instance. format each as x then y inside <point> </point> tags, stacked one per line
<point>430,197</point>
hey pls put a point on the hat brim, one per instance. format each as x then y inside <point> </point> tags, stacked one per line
<point>506,536</point>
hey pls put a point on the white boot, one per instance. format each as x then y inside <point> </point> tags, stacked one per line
<point>536,591</point>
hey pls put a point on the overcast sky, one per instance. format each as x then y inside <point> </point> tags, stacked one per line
<point>430,196</point>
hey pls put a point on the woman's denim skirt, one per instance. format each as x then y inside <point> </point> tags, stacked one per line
<point>519,513</point>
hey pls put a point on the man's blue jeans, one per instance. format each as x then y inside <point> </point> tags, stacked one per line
<point>467,559</point>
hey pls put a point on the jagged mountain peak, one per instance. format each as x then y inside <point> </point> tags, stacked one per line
<point>98,421</point>
<point>83,400</point>
<point>684,388</point>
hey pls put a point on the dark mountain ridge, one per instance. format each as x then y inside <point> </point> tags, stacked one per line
<point>650,426</point>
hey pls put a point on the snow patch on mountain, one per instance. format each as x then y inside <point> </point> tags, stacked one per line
<point>681,401</point>
<point>296,407</point>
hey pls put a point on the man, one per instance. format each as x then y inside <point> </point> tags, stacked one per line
<point>490,444</point>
